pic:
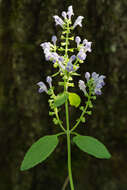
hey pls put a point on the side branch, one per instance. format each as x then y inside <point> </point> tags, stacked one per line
<point>83,113</point>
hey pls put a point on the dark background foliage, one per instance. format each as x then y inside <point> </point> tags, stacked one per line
<point>24,24</point>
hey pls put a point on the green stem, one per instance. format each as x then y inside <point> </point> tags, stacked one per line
<point>56,113</point>
<point>57,116</point>
<point>55,74</point>
<point>69,147</point>
<point>67,35</point>
<point>62,133</point>
<point>67,117</point>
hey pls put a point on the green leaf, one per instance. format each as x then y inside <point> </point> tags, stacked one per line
<point>60,99</point>
<point>39,151</point>
<point>91,146</point>
<point>74,99</point>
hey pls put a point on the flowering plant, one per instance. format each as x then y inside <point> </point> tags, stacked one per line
<point>67,64</point>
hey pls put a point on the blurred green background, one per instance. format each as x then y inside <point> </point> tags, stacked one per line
<point>24,24</point>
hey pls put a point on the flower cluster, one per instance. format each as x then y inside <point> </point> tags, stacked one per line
<point>96,83</point>
<point>67,16</point>
<point>71,64</point>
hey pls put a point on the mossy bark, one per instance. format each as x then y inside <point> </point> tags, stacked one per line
<point>24,24</point>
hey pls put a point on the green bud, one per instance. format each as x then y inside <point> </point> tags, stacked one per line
<point>81,108</point>
<point>61,83</point>
<point>55,121</point>
<point>71,50</point>
<point>70,84</point>
<point>61,49</point>
<point>83,119</point>
<point>90,104</point>
<point>89,112</point>
<point>62,37</point>
<point>71,38</point>
<point>55,65</point>
<point>51,113</point>
<point>63,43</point>
<point>93,97</point>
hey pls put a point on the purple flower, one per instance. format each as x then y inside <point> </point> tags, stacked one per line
<point>45,45</point>
<point>98,82</point>
<point>87,75</point>
<point>72,58</point>
<point>64,14</point>
<point>58,20</point>
<point>60,62</point>
<point>70,12</point>
<point>61,59</point>
<point>78,21</point>
<point>54,57</point>
<point>54,39</point>
<point>61,65</point>
<point>69,67</point>
<point>81,55</point>
<point>88,46</point>
<point>82,86</point>
<point>49,81</point>
<point>77,40</point>
<point>43,87</point>
<point>85,41</point>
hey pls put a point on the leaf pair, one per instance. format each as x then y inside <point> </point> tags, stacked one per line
<point>74,99</point>
<point>42,148</point>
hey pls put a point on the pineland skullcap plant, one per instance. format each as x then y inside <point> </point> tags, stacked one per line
<point>66,61</point>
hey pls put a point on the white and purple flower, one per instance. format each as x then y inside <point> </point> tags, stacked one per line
<point>98,82</point>
<point>81,55</point>
<point>77,40</point>
<point>87,45</point>
<point>82,86</point>
<point>49,81</point>
<point>54,39</point>
<point>70,12</point>
<point>78,21</point>
<point>43,87</point>
<point>70,66</point>
<point>58,21</point>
